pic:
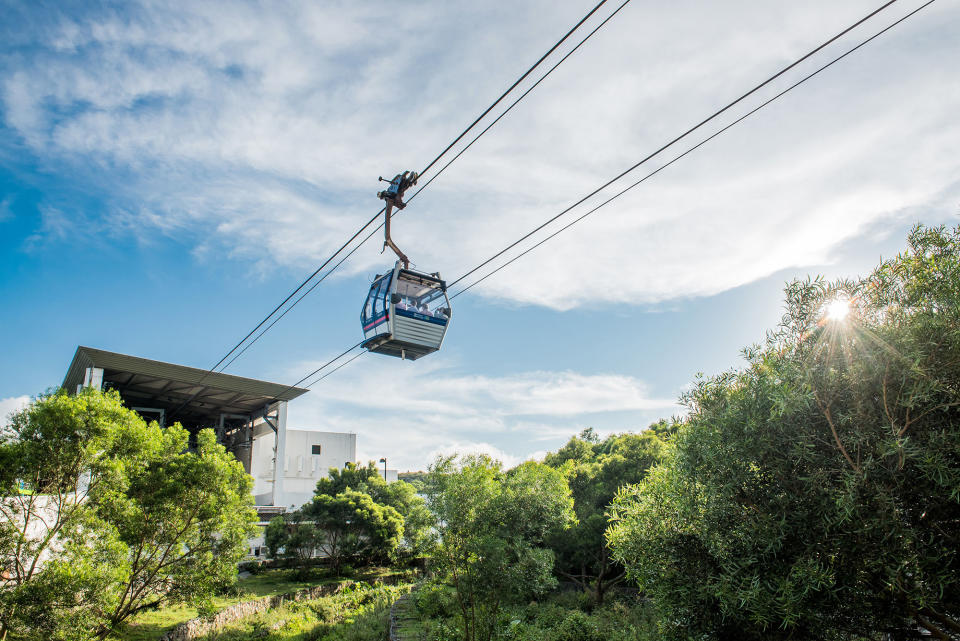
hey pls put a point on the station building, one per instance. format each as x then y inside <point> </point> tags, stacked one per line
<point>249,417</point>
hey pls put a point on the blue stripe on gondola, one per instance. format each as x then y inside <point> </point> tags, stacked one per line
<point>376,321</point>
<point>421,317</point>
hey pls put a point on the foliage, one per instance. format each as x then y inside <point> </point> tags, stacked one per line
<point>416,479</point>
<point>436,600</point>
<point>492,528</point>
<point>350,525</point>
<point>595,470</point>
<point>556,618</point>
<point>357,613</point>
<point>149,625</point>
<point>401,496</point>
<point>275,536</point>
<point>815,493</point>
<point>122,517</point>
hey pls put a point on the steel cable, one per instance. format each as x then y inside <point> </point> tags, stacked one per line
<point>671,162</point>
<point>425,170</point>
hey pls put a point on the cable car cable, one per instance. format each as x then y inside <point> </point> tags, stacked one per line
<point>522,96</point>
<point>513,86</point>
<point>678,138</point>
<point>677,158</point>
<point>489,126</point>
<point>690,150</point>
<point>294,292</point>
<point>312,287</point>
<point>698,145</point>
<point>327,364</point>
<point>344,364</point>
<point>431,164</point>
<point>435,176</point>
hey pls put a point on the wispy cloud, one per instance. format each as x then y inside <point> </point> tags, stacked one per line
<point>55,225</point>
<point>417,412</point>
<point>243,126</point>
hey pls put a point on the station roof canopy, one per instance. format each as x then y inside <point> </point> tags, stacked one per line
<point>195,397</point>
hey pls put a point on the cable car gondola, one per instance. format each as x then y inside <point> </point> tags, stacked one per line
<point>406,312</point>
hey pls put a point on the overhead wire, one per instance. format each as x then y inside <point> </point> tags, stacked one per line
<point>327,364</point>
<point>671,162</point>
<point>686,133</point>
<point>691,149</point>
<point>427,184</point>
<point>345,363</point>
<point>425,170</point>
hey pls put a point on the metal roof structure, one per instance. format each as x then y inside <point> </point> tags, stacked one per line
<point>195,397</point>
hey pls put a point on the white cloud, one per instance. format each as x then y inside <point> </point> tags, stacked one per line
<point>10,405</point>
<point>252,128</point>
<point>413,413</point>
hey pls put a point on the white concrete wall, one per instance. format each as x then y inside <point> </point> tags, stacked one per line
<point>300,467</point>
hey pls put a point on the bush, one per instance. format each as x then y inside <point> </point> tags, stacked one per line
<point>440,630</point>
<point>575,600</point>
<point>517,630</point>
<point>548,615</point>
<point>578,627</point>
<point>435,600</point>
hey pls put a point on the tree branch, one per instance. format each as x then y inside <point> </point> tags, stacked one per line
<point>836,437</point>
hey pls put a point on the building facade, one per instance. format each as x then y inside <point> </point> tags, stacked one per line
<point>306,457</point>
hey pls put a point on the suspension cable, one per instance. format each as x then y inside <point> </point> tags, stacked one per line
<point>678,138</point>
<point>658,170</point>
<point>691,149</point>
<point>425,170</point>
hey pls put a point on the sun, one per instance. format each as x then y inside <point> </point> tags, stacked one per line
<point>838,310</point>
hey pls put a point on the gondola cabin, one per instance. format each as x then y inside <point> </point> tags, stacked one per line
<point>406,314</point>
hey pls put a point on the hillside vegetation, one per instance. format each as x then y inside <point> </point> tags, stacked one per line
<point>812,493</point>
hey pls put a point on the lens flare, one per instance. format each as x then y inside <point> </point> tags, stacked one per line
<point>838,310</point>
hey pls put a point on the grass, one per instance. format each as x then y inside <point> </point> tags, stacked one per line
<point>360,613</point>
<point>150,625</point>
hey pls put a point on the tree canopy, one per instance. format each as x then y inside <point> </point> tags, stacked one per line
<point>493,526</point>
<point>595,470</point>
<point>351,525</point>
<point>815,493</point>
<point>400,495</point>
<point>355,516</point>
<point>119,516</point>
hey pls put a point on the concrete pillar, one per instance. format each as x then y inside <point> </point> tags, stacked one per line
<point>92,377</point>
<point>280,454</point>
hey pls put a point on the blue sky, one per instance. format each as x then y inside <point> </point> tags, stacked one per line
<point>170,171</point>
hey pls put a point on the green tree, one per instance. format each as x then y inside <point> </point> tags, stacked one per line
<point>350,525</point>
<point>492,528</point>
<point>595,471</point>
<point>401,496</point>
<point>121,517</point>
<point>275,536</point>
<point>815,493</point>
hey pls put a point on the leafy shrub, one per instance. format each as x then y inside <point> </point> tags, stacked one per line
<point>517,630</point>
<point>441,630</point>
<point>574,600</point>
<point>578,627</point>
<point>548,615</point>
<point>435,600</point>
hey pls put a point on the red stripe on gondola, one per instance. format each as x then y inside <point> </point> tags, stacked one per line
<point>376,322</point>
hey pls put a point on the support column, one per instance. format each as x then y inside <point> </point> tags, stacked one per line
<point>280,453</point>
<point>92,377</point>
